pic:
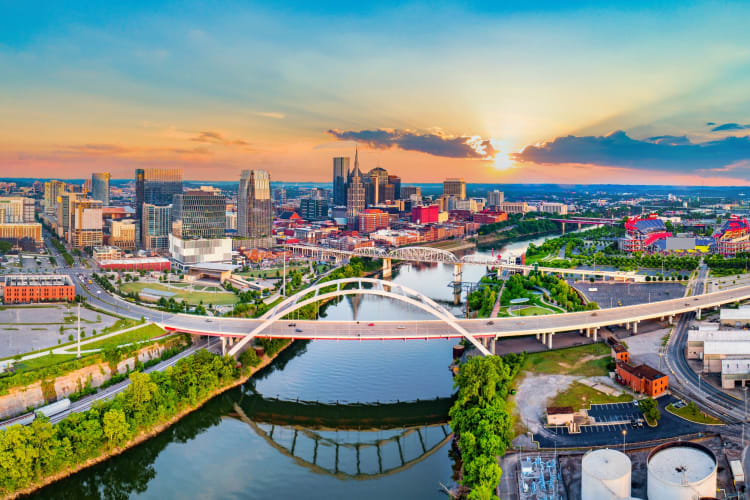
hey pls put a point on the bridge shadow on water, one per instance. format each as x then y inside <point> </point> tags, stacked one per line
<point>357,441</point>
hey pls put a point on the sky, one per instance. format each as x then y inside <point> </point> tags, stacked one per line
<point>495,92</point>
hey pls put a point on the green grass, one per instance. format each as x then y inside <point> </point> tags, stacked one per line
<point>144,333</point>
<point>569,361</point>
<point>120,324</point>
<point>693,414</point>
<point>581,396</point>
<point>42,362</point>
<point>534,311</point>
<point>194,298</point>
<point>271,273</point>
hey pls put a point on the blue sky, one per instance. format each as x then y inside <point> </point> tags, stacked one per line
<point>220,86</point>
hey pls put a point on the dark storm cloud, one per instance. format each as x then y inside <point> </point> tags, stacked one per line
<point>430,143</point>
<point>669,153</point>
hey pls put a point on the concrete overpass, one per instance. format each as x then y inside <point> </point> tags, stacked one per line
<point>543,327</point>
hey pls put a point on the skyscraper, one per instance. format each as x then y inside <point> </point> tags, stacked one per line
<point>52,190</point>
<point>155,186</point>
<point>395,180</point>
<point>340,173</point>
<point>355,194</point>
<point>200,214</point>
<point>100,187</point>
<point>155,224</point>
<point>455,187</point>
<point>254,207</point>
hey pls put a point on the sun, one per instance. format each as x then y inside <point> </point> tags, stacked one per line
<point>503,161</point>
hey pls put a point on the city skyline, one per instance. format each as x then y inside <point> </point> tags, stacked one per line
<point>499,93</point>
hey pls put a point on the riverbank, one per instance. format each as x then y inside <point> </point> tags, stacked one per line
<point>151,432</point>
<point>488,240</point>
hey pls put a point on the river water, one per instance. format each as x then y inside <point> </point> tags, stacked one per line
<point>327,419</point>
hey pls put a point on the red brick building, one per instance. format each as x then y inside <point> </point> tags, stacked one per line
<point>135,264</point>
<point>22,289</point>
<point>425,215</point>
<point>643,379</point>
<point>372,219</point>
<point>618,350</point>
<point>489,217</point>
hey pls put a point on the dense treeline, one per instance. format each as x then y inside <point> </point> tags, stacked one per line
<point>481,421</point>
<point>720,265</point>
<point>483,299</point>
<point>30,454</point>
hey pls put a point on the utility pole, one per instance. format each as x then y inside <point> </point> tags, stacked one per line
<point>78,347</point>
<point>283,279</point>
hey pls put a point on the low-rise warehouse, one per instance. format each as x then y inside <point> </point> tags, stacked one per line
<point>22,288</point>
<point>722,351</point>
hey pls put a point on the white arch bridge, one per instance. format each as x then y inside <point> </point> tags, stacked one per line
<point>362,286</point>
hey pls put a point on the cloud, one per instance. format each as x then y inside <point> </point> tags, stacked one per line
<point>96,149</point>
<point>436,144</point>
<point>271,114</point>
<point>212,137</point>
<point>671,140</point>
<point>729,126</point>
<point>665,153</point>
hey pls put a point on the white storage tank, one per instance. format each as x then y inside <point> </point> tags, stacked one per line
<point>681,471</point>
<point>605,475</point>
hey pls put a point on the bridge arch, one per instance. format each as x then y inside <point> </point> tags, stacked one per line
<point>380,288</point>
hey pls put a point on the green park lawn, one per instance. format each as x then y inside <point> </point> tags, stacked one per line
<point>42,362</point>
<point>144,333</point>
<point>586,360</point>
<point>693,414</point>
<point>193,298</point>
<point>534,311</point>
<point>582,396</point>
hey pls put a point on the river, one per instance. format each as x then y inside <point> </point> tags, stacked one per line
<point>327,419</point>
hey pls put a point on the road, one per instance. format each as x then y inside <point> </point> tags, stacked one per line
<point>85,403</point>
<point>686,380</point>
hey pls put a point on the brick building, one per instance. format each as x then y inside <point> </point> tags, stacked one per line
<point>20,288</point>
<point>643,379</point>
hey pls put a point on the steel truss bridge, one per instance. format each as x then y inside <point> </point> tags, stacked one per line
<point>437,255</point>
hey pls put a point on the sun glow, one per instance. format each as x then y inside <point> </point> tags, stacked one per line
<point>503,161</point>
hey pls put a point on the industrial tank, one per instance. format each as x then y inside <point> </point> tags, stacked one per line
<point>681,471</point>
<point>605,475</point>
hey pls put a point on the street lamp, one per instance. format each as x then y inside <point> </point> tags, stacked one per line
<point>699,383</point>
<point>624,433</point>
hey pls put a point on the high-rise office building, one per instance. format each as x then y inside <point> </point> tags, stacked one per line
<point>52,191</point>
<point>313,208</point>
<point>155,225</point>
<point>65,213</point>
<point>16,210</point>
<point>122,233</point>
<point>86,223</point>
<point>200,214</point>
<point>495,198</point>
<point>455,187</point>
<point>355,194</point>
<point>408,191</point>
<point>395,180</point>
<point>254,207</point>
<point>340,173</point>
<point>155,186</point>
<point>100,187</point>
<point>375,183</point>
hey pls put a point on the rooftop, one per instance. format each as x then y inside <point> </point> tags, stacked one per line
<point>37,280</point>
<point>642,371</point>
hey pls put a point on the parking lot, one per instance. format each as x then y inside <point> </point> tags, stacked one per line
<point>615,412</point>
<point>612,434</point>
<point>628,294</point>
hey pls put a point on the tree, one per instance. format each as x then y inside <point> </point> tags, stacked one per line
<point>650,409</point>
<point>115,427</point>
